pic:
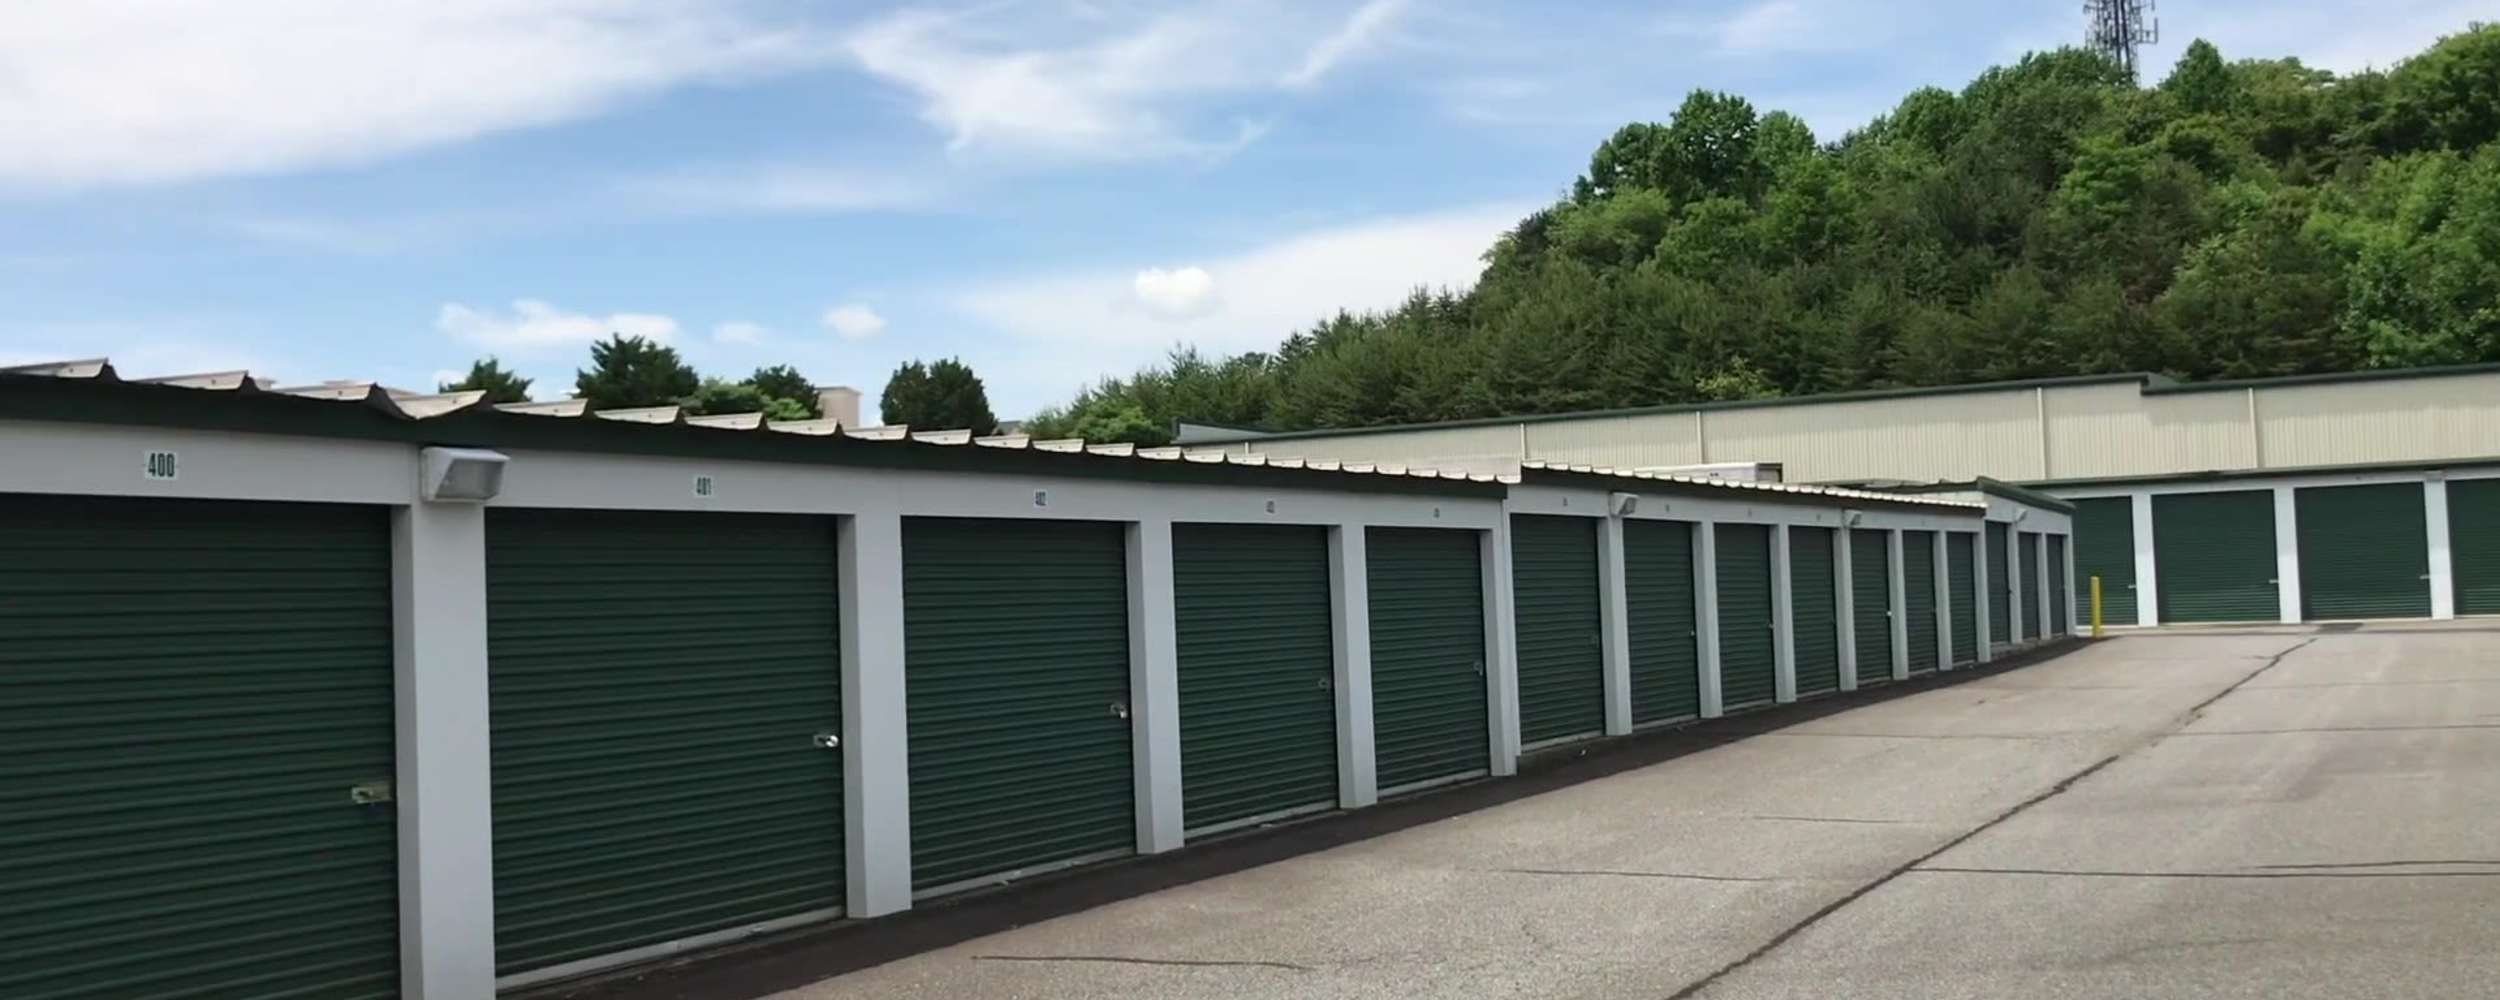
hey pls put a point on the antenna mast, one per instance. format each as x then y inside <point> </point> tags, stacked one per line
<point>2115,28</point>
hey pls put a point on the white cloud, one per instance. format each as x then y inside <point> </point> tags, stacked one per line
<point>1065,330</point>
<point>853,321</point>
<point>738,332</point>
<point>535,327</point>
<point>1358,34</point>
<point>776,187</point>
<point>1177,294</point>
<point>1107,86</point>
<point>1780,26</point>
<point>138,91</point>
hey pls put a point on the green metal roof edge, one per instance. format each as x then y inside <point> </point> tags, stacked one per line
<point>1859,396</point>
<point>2152,384</point>
<point>2325,378</point>
<point>1993,487</point>
<point>2288,472</point>
<point>44,398</point>
<point>1623,484</point>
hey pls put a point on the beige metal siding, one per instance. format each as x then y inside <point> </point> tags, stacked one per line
<point>2397,420</point>
<point>2115,430</point>
<point>1914,437</point>
<point>1632,442</point>
<point>1492,449</point>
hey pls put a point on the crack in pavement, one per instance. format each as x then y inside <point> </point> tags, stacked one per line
<point>2372,864</point>
<point>2053,791</point>
<point>1117,960</point>
<point>1627,874</point>
<point>2084,873</point>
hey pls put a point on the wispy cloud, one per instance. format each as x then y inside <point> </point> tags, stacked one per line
<point>1359,33</point>
<point>126,93</point>
<point>534,328</point>
<point>776,187</point>
<point>853,321</point>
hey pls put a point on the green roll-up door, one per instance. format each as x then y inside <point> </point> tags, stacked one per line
<point>1428,669</point>
<point>1562,669</point>
<point>2000,587</point>
<point>1748,661</point>
<point>2474,544</point>
<point>2058,583</point>
<point>1257,666</point>
<point>657,685</point>
<point>1660,620</point>
<point>2105,547</point>
<point>1918,597</point>
<point>2030,541</point>
<point>2365,551</point>
<point>1870,571</point>
<point>2214,554</point>
<point>1016,667</point>
<point>1813,610</point>
<point>189,691</point>
<point>1962,564</point>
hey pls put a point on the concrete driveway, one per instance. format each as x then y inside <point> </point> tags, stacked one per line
<point>2270,812</point>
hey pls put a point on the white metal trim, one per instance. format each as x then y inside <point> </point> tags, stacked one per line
<point>2443,559</point>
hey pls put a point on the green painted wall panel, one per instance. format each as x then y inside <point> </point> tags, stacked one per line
<point>2060,580</point>
<point>1428,667</point>
<point>1562,670</point>
<point>1918,597</point>
<point>1813,610</point>
<point>188,690</point>
<point>2030,541</point>
<point>2365,551</point>
<point>2000,586</point>
<point>1748,662</point>
<point>1016,664</point>
<point>2105,547</point>
<point>1962,564</point>
<point>1661,620</point>
<point>2474,544</point>
<point>1257,667</point>
<point>1870,570</point>
<point>656,684</point>
<point>2214,553</point>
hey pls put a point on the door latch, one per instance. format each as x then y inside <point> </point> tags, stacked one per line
<point>1119,710</point>
<point>370,793</point>
<point>827,741</point>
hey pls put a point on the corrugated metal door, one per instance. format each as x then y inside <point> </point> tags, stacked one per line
<point>1257,664</point>
<point>1813,610</point>
<point>1918,597</point>
<point>2000,588</point>
<point>2214,553</point>
<point>189,690</point>
<point>2059,577</point>
<point>1748,662</point>
<point>1870,569</point>
<point>1428,669</point>
<point>2474,544</point>
<point>1962,564</point>
<point>1661,622</point>
<point>2030,541</point>
<point>2365,551</point>
<point>1562,671</point>
<point>2105,547</point>
<point>1016,666</point>
<point>657,685</point>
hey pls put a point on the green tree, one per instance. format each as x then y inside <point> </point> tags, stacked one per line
<point>628,372</point>
<point>939,395</point>
<point>2201,83</point>
<point>785,383</point>
<point>499,384</point>
<point>717,396</point>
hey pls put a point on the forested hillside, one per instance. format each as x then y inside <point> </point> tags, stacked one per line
<point>2236,219</point>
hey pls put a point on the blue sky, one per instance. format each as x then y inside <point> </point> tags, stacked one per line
<point>1052,190</point>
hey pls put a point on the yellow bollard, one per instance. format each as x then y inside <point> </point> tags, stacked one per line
<point>2096,607</point>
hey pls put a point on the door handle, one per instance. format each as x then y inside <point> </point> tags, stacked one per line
<point>828,741</point>
<point>1119,710</point>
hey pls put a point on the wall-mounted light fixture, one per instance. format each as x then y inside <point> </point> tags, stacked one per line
<point>460,475</point>
<point>1623,504</point>
<point>1852,517</point>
